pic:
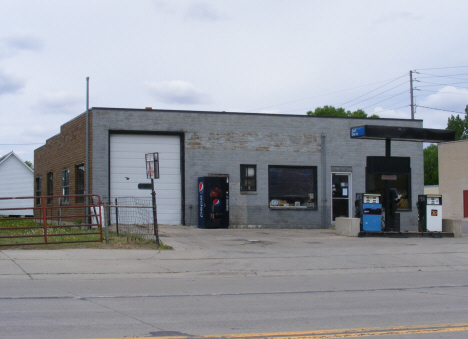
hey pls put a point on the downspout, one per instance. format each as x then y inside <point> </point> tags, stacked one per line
<point>324,181</point>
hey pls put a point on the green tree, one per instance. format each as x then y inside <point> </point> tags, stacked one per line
<point>330,111</point>
<point>29,163</point>
<point>431,165</point>
<point>459,125</point>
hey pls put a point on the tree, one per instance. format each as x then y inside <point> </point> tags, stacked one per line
<point>459,125</point>
<point>330,111</point>
<point>431,165</point>
<point>29,163</point>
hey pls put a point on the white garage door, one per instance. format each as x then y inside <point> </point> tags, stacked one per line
<point>127,170</point>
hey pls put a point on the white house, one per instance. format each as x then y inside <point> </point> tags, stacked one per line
<point>16,180</point>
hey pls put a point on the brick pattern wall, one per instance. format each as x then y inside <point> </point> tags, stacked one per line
<point>62,151</point>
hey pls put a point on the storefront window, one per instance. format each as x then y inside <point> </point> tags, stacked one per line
<point>292,187</point>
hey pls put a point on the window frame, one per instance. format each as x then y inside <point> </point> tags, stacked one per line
<point>79,182</point>
<point>244,177</point>
<point>37,189</point>
<point>50,186</point>
<point>66,185</point>
<point>307,201</point>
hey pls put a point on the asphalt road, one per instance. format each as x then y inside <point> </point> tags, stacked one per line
<point>219,282</point>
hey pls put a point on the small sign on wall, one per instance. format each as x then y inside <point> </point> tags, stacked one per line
<point>152,165</point>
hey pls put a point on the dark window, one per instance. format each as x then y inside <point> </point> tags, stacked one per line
<point>38,190</point>
<point>50,187</point>
<point>375,183</point>
<point>248,178</point>
<point>80,182</point>
<point>66,185</point>
<point>292,186</point>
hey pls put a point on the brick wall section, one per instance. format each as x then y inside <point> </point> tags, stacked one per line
<point>218,142</point>
<point>453,177</point>
<point>62,151</point>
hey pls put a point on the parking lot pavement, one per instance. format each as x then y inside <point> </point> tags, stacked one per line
<point>240,251</point>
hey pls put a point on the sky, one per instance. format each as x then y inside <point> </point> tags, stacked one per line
<point>255,56</point>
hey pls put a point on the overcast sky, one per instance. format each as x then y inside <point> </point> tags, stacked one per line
<point>266,56</point>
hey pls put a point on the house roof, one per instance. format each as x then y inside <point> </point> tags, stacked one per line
<point>6,156</point>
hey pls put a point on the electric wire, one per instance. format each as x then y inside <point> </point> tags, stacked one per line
<point>440,109</point>
<point>323,95</point>
<point>372,90</point>
<point>385,99</point>
<point>380,93</point>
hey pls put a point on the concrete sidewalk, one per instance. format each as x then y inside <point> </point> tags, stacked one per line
<point>240,251</point>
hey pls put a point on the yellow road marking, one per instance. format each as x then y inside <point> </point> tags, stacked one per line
<point>339,333</point>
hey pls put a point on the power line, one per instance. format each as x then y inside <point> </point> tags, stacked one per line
<point>426,69</point>
<point>386,99</point>
<point>37,143</point>
<point>440,109</point>
<point>380,93</point>
<point>373,91</point>
<point>323,95</point>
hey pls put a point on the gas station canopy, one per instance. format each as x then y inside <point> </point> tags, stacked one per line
<point>402,133</point>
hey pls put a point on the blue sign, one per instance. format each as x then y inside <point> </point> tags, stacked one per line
<point>358,132</point>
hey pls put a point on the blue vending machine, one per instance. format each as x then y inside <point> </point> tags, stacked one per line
<point>369,210</point>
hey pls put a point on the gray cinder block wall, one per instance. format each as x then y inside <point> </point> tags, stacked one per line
<point>218,142</point>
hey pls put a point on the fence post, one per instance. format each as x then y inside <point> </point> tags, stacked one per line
<point>116,217</point>
<point>44,218</point>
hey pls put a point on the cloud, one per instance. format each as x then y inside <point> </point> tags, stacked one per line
<point>177,92</point>
<point>397,16</point>
<point>10,84</point>
<point>203,12</point>
<point>13,44</point>
<point>447,98</point>
<point>60,103</point>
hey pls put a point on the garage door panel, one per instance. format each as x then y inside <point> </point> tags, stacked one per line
<point>128,169</point>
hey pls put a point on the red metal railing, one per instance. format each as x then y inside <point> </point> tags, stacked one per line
<point>53,217</point>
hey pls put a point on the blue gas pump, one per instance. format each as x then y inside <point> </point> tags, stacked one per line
<point>369,210</point>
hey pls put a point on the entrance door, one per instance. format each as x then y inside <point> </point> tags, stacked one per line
<point>341,193</point>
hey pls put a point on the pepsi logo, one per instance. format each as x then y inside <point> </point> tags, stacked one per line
<point>200,187</point>
<point>216,202</point>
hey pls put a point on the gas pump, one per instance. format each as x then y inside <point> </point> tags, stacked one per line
<point>369,210</point>
<point>430,213</point>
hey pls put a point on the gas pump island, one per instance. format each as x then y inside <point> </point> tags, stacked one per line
<point>370,205</point>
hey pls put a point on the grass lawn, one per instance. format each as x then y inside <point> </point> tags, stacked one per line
<point>34,233</point>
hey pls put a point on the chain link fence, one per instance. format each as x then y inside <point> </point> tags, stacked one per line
<point>129,216</point>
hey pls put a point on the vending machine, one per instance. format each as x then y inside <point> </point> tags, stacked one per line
<point>213,202</point>
<point>369,210</point>
<point>430,213</point>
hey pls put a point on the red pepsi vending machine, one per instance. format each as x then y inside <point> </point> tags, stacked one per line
<point>213,202</point>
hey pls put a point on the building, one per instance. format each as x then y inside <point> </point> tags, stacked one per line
<point>284,170</point>
<point>16,180</point>
<point>453,179</point>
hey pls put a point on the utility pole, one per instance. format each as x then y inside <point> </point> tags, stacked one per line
<point>411,93</point>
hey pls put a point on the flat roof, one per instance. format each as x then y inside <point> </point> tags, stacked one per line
<point>402,133</point>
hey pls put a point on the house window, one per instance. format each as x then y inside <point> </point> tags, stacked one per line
<point>80,182</point>
<point>292,187</point>
<point>66,185</point>
<point>248,178</point>
<point>50,187</point>
<point>375,183</point>
<point>38,190</point>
